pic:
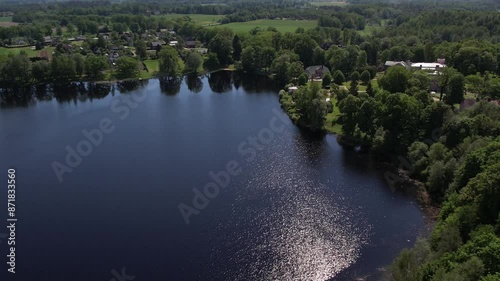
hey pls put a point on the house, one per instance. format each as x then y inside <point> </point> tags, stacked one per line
<point>202,51</point>
<point>316,72</point>
<point>48,40</point>
<point>156,45</point>
<point>428,66</point>
<point>105,36</point>
<point>190,44</point>
<point>173,43</point>
<point>390,63</point>
<point>292,89</point>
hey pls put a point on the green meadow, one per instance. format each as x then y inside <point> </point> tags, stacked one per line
<point>197,18</point>
<point>280,25</point>
<point>29,50</point>
<point>328,3</point>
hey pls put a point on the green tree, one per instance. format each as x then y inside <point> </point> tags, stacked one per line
<point>318,57</point>
<point>280,67</point>
<point>237,48</point>
<point>354,76</point>
<point>79,64</point>
<point>169,62</point>
<point>395,80</point>
<point>365,77</point>
<point>127,67</point>
<point>295,70</point>
<point>353,88</point>
<point>16,70</point>
<point>63,67</point>
<point>141,49</point>
<point>327,80</point>
<point>94,66</point>
<point>369,90</point>
<point>193,62</point>
<point>41,70</point>
<point>303,79</point>
<point>212,62</point>
<point>304,47</point>
<point>338,77</point>
<point>455,89</point>
<point>101,42</point>
<point>312,107</point>
<point>222,46</point>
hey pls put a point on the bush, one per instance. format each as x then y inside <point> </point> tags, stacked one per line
<point>327,80</point>
<point>303,79</point>
<point>338,77</point>
<point>365,77</point>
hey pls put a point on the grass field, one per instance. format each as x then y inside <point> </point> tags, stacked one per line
<point>331,124</point>
<point>6,22</point>
<point>328,3</point>
<point>197,18</point>
<point>280,25</point>
<point>29,50</point>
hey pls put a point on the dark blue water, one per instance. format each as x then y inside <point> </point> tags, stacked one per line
<point>288,206</point>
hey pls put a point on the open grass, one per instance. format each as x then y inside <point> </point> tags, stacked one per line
<point>197,18</point>
<point>153,67</point>
<point>29,50</point>
<point>331,124</point>
<point>369,30</point>
<point>7,21</point>
<point>280,25</point>
<point>328,3</point>
<point>361,87</point>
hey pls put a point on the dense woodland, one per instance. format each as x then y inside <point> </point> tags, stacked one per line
<point>453,151</point>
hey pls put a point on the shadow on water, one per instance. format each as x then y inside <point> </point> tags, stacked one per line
<point>62,92</point>
<point>194,83</point>
<point>170,86</point>
<point>74,92</point>
<point>18,96</point>
<point>223,81</point>
<point>131,85</point>
<point>220,81</point>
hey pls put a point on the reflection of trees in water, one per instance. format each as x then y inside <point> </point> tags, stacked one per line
<point>194,83</point>
<point>170,86</point>
<point>65,92</point>
<point>220,81</point>
<point>236,81</point>
<point>223,81</point>
<point>98,91</point>
<point>62,92</point>
<point>42,92</point>
<point>16,96</point>
<point>131,85</point>
<point>255,83</point>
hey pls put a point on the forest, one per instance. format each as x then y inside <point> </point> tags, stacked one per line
<point>444,123</point>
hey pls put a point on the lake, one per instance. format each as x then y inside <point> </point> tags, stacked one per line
<point>206,179</point>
